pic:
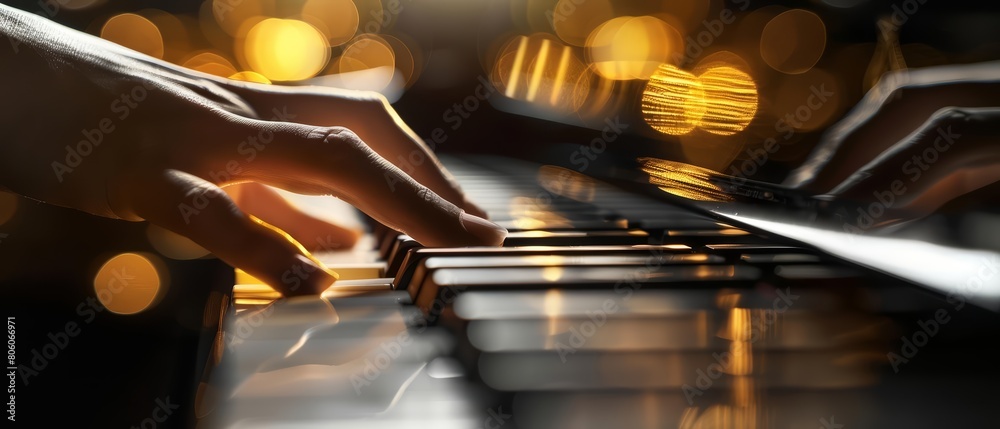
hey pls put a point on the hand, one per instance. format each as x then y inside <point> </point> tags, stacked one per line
<point>917,140</point>
<point>103,129</point>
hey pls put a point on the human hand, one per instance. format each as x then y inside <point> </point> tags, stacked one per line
<point>103,129</point>
<point>918,139</point>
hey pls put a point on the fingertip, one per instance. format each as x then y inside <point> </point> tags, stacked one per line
<point>486,232</point>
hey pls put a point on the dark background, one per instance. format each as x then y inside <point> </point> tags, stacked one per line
<point>113,372</point>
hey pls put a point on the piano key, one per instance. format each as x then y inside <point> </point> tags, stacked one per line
<point>416,256</point>
<point>442,286</point>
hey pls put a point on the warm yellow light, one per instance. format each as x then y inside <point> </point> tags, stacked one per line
<point>793,41</point>
<point>211,63</point>
<point>730,100</point>
<point>632,47</point>
<point>573,20</point>
<point>134,32</point>
<point>127,283</point>
<point>541,70</point>
<point>249,76</point>
<point>365,52</point>
<point>286,49</point>
<point>231,15</point>
<point>337,19</point>
<point>673,101</point>
<point>684,180</point>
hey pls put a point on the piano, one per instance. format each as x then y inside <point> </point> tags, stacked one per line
<point>607,307</point>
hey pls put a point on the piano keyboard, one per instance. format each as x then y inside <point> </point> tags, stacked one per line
<point>604,309</point>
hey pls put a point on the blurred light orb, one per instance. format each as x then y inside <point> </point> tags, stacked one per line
<point>673,101</point>
<point>730,100</point>
<point>134,32</point>
<point>793,41</point>
<point>337,19</point>
<point>127,283</point>
<point>286,49</point>
<point>230,15</point>
<point>632,47</point>
<point>249,76</point>
<point>574,20</point>
<point>211,63</point>
<point>541,70</point>
<point>367,52</point>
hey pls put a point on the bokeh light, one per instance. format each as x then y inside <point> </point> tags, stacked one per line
<point>793,41</point>
<point>632,47</point>
<point>730,100</point>
<point>337,19</point>
<point>176,40</point>
<point>211,63</point>
<point>689,14</point>
<point>286,49</point>
<point>574,20</point>
<point>673,101</point>
<point>128,283</point>
<point>367,52</point>
<point>407,64</point>
<point>541,70</point>
<point>249,76</point>
<point>231,16</point>
<point>134,32</point>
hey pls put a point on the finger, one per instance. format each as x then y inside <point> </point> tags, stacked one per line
<point>952,153</point>
<point>371,117</point>
<point>269,206</point>
<point>898,105</point>
<point>318,160</point>
<point>199,210</point>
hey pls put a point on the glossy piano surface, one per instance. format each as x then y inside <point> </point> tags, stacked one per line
<point>700,324</point>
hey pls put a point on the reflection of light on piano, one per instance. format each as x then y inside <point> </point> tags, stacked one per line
<point>566,183</point>
<point>286,49</point>
<point>683,180</point>
<point>536,75</point>
<point>553,305</point>
<point>515,69</point>
<point>552,274</point>
<point>730,99</point>
<point>673,101</point>
<point>134,32</point>
<point>128,283</point>
<point>556,79</point>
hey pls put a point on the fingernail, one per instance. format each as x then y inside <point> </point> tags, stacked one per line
<point>490,233</point>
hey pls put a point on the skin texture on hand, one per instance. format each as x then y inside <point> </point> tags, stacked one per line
<point>94,126</point>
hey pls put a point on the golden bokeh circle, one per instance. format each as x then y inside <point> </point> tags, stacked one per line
<point>134,32</point>
<point>730,100</point>
<point>793,41</point>
<point>673,101</point>
<point>337,19</point>
<point>286,49</point>
<point>128,283</point>
<point>628,47</point>
<point>574,20</point>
